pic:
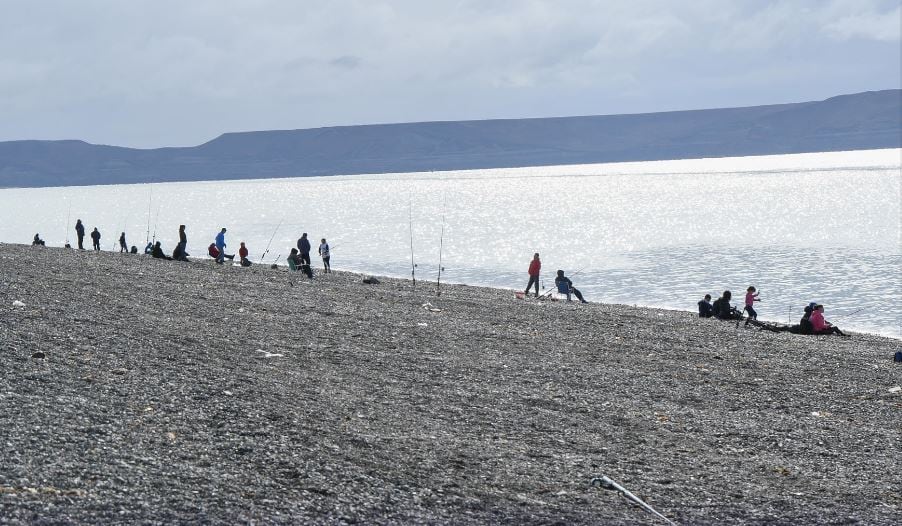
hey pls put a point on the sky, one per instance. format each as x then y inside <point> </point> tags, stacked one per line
<point>153,73</point>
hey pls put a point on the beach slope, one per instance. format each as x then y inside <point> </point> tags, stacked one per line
<point>138,390</point>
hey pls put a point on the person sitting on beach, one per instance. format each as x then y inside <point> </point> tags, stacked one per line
<point>565,286</point>
<point>149,248</point>
<point>722,308</point>
<point>213,250</point>
<point>820,325</point>
<point>157,252</point>
<point>705,309</point>
<point>134,249</point>
<point>37,240</point>
<point>242,253</point>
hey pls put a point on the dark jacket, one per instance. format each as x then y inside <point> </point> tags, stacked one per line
<point>722,309</point>
<point>304,245</point>
<point>705,309</point>
<point>95,235</point>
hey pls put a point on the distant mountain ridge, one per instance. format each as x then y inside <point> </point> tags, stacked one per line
<point>868,120</point>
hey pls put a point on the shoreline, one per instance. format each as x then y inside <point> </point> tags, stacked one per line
<point>142,390</point>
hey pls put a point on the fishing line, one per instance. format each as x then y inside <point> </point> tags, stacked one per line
<point>68,216</point>
<point>270,240</point>
<point>413,266</point>
<point>149,204</point>
<point>441,244</point>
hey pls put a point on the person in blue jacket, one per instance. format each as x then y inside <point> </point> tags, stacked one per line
<point>220,245</point>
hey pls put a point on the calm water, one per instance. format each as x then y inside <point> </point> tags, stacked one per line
<point>812,227</point>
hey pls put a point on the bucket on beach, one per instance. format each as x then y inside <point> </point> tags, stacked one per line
<point>519,295</point>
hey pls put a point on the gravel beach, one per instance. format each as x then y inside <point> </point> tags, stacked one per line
<point>143,391</point>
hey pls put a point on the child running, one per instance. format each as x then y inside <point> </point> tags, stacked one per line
<point>751,296</point>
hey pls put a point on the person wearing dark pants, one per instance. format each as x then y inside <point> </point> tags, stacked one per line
<point>95,236</point>
<point>564,285</point>
<point>304,248</point>
<point>123,246</point>
<point>535,266</point>
<point>80,232</point>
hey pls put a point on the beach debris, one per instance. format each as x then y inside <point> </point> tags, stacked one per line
<point>266,354</point>
<point>606,483</point>
<point>39,355</point>
<point>18,303</point>
<point>227,393</point>
<point>370,280</point>
<point>430,307</point>
<point>895,389</point>
<point>422,324</point>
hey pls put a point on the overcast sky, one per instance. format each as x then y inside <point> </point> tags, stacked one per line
<point>149,73</point>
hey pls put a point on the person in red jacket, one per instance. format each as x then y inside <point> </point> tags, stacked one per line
<point>242,253</point>
<point>535,266</point>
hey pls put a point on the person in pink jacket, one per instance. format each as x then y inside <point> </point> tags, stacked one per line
<point>820,325</point>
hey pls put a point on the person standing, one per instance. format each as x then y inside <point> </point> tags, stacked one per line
<point>80,232</point>
<point>535,266</point>
<point>182,247</point>
<point>95,236</point>
<point>123,246</point>
<point>751,296</point>
<point>324,253</point>
<point>220,245</point>
<point>304,248</point>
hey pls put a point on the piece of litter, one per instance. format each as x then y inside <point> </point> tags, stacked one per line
<point>268,354</point>
<point>422,324</point>
<point>227,393</point>
<point>817,413</point>
<point>895,389</point>
<point>18,303</point>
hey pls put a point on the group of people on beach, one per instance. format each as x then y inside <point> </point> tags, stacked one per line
<point>562,283</point>
<point>298,260</point>
<point>812,321</point>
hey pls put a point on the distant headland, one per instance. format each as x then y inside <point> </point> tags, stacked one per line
<point>859,121</point>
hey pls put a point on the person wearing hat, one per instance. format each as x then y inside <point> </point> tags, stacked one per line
<point>820,325</point>
<point>565,286</point>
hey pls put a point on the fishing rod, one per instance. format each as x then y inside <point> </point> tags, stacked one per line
<point>156,221</point>
<point>441,244</point>
<point>149,204</point>
<point>413,266</point>
<point>68,216</point>
<point>849,314</point>
<point>270,240</point>
<point>608,484</point>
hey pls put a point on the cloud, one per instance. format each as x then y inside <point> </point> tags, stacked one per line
<point>164,72</point>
